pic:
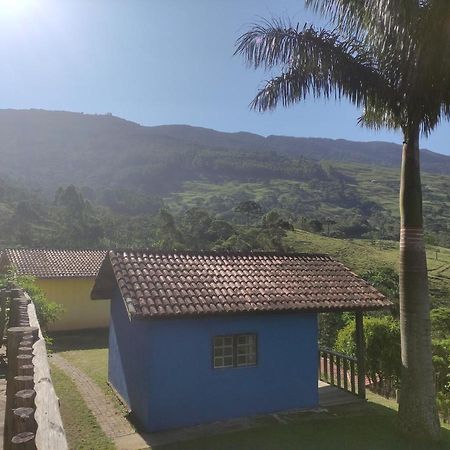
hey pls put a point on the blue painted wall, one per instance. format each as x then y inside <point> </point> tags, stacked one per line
<point>163,368</point>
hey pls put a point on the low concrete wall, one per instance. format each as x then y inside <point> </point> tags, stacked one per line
<point>32,416</point>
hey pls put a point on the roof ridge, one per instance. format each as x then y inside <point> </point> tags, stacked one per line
<point>54,249</point>
<point>217,252</point>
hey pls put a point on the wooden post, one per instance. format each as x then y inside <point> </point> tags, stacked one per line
<point>360,354</point>
<point>23,382</point>
<point>325,367</point>
<point>26,369</point>
<point>338,371</point>
<point>23,441</point>
<point>23,360</point>
<point>3,303</point>
<point>345,368</point>
<point>23,420</point>
<point>352,376</point>
<point>15,336</point>
<point>24,398</point>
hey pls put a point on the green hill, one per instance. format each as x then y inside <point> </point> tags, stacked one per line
<point>126,172</point>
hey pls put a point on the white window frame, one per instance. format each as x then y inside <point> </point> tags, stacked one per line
<point>235,350</point>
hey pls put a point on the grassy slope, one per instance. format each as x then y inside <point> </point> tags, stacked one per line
<point>381,185</point>
<point>82,430</point>
<point>361,255</point>
<point>373,428</point>
<point>223,197</point>
<point>375,183</point>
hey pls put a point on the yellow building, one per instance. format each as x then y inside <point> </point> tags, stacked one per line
<point>67,277</point>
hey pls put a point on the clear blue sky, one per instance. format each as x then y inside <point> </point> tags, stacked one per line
<point>158,62</point>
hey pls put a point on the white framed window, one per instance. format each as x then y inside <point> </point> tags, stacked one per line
<point>235,350</point>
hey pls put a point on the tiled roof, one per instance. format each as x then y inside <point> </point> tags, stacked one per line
<point>159,284</point>
<point>42,263</point>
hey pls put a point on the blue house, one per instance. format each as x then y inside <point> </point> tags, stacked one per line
<point>201,337</point>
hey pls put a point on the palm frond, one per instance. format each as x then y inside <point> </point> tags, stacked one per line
<point>314,62</point>
<point>390,56</point>
<point>377,116</point>
<point>384,24</point>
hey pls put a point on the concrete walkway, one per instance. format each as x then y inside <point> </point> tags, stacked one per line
<point>113,424</point>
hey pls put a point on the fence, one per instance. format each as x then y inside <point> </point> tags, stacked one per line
<point>32,416</point>
<point>341,371</point>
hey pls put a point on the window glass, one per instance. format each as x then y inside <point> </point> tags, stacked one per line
<point>235,350</point>
<point>223,351</point>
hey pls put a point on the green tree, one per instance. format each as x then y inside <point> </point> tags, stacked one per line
<point>78,225</point>
<point>440,323</point>
<point>249,209</point>
<point>385,279</point>
<point>274,229</point>
<point>393,59</point>
<point>197,222</point>
<point>168,234</point>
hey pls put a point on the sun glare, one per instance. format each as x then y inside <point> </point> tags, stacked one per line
<point>15,7</point>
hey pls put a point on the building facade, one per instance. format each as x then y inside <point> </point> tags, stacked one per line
<point>67,278</point>
<point>202,337</point>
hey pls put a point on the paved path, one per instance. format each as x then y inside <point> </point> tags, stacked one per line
<point>113,424</point>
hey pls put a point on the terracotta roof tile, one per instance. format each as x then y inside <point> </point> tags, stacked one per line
<point>42,263</point>
<point>193,283</point>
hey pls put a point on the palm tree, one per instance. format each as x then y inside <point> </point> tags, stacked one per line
<point>392,58</point>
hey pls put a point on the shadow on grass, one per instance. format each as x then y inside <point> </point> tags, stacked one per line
<point>79,340</point>
<point>371,427</point>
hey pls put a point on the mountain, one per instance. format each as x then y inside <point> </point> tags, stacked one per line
<point>47,149</point>
<point>319,149</point>
<point>122,169</point>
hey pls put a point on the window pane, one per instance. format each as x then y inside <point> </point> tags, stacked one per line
<point>242,353</point>
<point>242,350</point>
<point>228,361</point>
<point>246,350</point>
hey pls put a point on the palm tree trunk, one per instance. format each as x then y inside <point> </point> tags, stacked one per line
<point>417,407</point>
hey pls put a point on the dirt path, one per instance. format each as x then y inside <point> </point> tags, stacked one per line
<point>113,424</point>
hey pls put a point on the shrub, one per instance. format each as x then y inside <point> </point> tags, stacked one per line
<point>46,311</point>
<point>382,350</point>
<point>440,323</point>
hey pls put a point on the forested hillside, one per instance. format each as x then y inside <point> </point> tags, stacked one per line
<point>69,179</point>
<point>50,149</point>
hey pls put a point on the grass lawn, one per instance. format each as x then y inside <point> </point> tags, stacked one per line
<point>82,430</point>
<point>372,428</point>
